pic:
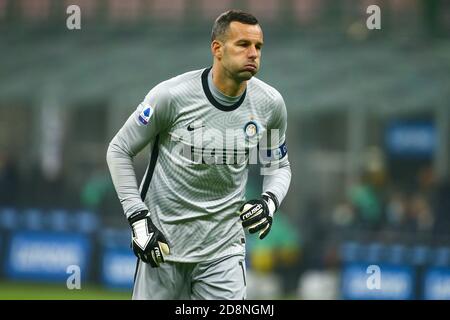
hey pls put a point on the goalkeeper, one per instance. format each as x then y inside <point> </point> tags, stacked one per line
<point>189,213</point>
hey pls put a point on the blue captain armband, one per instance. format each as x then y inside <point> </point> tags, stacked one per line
<point>276,154</point>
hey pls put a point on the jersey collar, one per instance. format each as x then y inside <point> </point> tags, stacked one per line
<point>211,99</point>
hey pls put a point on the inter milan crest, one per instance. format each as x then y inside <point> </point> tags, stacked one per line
<point>251,129</point>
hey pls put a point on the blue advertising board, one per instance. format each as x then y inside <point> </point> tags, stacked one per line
<point>38,255</point>
<point>437,284</point>
<point>118,268</point>
<point>383,281</point>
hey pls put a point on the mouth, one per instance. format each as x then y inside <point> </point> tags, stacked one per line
<point>250,67</point>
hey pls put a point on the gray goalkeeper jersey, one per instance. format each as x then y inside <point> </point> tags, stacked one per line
<point>200,151</point>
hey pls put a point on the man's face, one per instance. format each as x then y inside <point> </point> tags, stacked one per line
<point>240,53</point>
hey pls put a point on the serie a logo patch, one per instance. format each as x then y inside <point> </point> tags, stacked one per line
<point>145,115</point>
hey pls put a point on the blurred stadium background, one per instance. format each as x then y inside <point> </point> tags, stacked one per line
<point>368,136</point>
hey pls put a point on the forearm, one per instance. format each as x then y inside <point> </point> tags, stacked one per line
<point>120,163</point>
<point>277,179</point>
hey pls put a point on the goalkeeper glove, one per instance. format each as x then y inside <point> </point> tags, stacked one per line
<point>258,214</point>
<point>148,243</point>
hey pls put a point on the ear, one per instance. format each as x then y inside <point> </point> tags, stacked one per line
<point>217,49</point>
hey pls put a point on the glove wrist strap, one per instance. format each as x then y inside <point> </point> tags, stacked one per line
<point>137,216</point>
<point>271,200</point>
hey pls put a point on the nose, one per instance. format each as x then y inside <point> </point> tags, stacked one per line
<point>252,52</point>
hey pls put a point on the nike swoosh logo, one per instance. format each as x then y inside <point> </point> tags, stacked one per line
<point>191,128</point>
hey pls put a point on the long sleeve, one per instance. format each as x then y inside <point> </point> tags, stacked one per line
<point>152,116</point>
<point>278,180</point>
<point>276,167</point>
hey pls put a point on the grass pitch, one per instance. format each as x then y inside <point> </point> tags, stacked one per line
<point>42,291</point>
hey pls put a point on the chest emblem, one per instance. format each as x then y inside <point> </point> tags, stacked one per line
<point>251,129</point>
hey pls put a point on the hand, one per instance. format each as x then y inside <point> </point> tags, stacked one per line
<point>148,243</point>
<point>258,214</point>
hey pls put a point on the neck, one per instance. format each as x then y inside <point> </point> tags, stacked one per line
<point>226,84</point>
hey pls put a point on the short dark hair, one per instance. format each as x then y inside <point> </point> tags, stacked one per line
<point>223,21</point>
